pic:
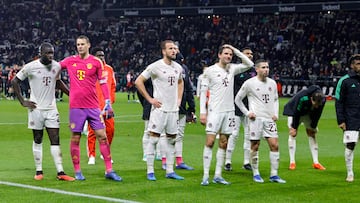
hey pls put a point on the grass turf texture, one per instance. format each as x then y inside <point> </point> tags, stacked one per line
<point>303,185</point>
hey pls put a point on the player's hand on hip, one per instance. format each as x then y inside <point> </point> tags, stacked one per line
<point>108,112</point>
<point>274,118</point>
<point>29,104</point>
<point>156,103</point>
<point>252,116</point>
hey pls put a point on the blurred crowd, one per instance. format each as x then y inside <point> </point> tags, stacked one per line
<point>300,47</point>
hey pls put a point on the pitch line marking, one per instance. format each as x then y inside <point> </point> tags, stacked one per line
<point>66,192</point>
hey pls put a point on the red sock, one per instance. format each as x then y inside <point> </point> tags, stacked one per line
<point>105,152</point>
<point>163,160</point>
<point>75,155</point>
<point>179,160</point>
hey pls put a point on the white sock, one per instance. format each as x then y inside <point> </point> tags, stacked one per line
<point>349,157</point>
<point>246,150</point>
<point>292,148</point>
<point>254,158</point>
<point>178,146</point>
<point>162,145</point>
<point>220,156</point>
<point>37,152</point>
<point>274,162</point>
<point>314,149</point>
<point>230,147</point>
<point>56,154</point>
<point>150,156</point>
<point>207,156</point>
<point>145,138</point>
<point>170,155</point>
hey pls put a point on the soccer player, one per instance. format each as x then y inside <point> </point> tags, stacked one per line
<point>110,122</point>
<point>263,113</point>
<point>240,118</point>
<point>305,107</point>
<point>348,111</point>
<point>145,116</point>
<point>130,85</point>
<point>84,71</point>
<point>219,116</point>
<point>44,76</point>
<point>187,100</point>
<point>167,81</point>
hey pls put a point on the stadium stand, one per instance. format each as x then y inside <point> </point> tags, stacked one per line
<point>303,47</point>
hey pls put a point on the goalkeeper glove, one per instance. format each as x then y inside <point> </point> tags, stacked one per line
<point>107,112</point>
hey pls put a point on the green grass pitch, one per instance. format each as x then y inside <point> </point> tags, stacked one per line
<point>303,185</point>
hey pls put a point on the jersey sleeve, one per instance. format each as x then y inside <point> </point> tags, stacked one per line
<point>23,73</point>
<point>147,72</point>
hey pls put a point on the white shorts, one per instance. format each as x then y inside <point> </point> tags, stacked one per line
<point>222,123</point>
<point>38,119</point>
<point>303,119</point>
<point>161,121</point>
<point>261,127</point>
<point>351,136</point>
<point>238,121</point>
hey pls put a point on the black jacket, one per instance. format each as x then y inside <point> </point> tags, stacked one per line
<point>347,104</point>
<point>188,94</point>
<point>300,105</point>
<point>145,104</point>
<point>239,79</point>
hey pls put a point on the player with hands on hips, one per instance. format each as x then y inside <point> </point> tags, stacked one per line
<point>168,86</point>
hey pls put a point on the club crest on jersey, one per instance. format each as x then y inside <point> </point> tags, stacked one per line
<point>89,66</point>
<point>176,72</point>
<point>257,89</point>
<point>53,71</point>
<point>270,89</point>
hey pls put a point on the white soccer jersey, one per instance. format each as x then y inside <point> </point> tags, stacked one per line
<point>220,82</point>
<point>42,83</point>
<point>165,82</point>
<point>262,97</point>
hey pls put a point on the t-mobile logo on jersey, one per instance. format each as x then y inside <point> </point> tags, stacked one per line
<point>46,80</point>
<point>80,74</point>
<point>225,82</point>
<point>266,98</point>
<point>171,80</point>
